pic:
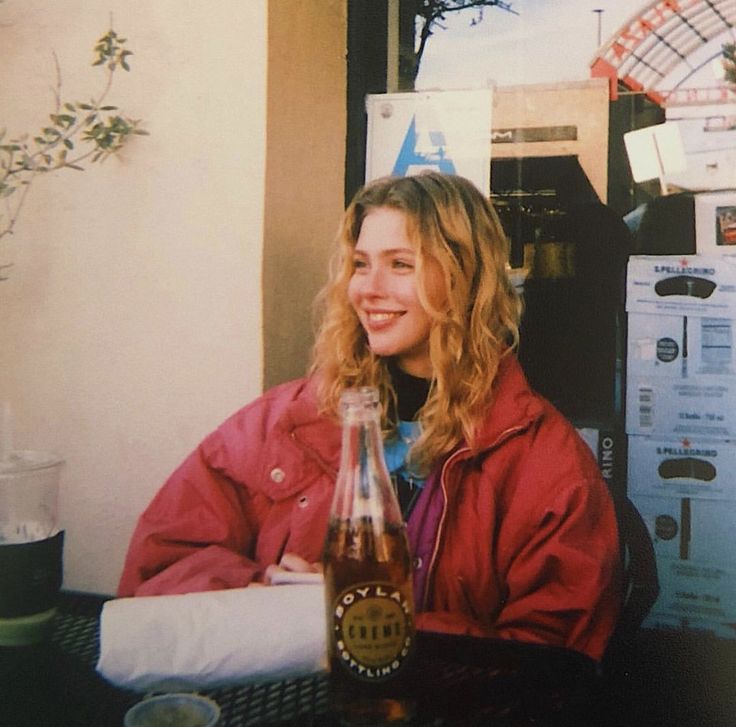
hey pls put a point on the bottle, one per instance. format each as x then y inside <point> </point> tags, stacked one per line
<point>368,580</point>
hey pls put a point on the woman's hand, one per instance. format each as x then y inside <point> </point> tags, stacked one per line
<point>293,569</point>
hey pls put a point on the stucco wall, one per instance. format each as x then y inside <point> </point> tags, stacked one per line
<point>304,173</point>
<point>131,323</point>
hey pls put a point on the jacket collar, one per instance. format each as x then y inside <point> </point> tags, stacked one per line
<point>514,407</point>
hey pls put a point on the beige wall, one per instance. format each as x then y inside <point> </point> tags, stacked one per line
<point>304,172</point>
<point>131,322</point>
<point>583,104</point>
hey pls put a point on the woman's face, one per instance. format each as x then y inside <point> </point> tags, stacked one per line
<point>383,291</point>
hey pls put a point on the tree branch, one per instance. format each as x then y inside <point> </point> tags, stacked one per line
<point>21,160</point>
<point>433,12</point>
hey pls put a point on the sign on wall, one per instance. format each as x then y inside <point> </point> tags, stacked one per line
<point>445,131</point>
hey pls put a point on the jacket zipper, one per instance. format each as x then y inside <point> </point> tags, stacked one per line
<point>443,483</point>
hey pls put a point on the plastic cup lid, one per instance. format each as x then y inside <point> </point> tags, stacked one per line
<point>174,710</point>
<point>25,460</point>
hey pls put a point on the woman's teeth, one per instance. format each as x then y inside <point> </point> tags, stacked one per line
<point>382,316</point>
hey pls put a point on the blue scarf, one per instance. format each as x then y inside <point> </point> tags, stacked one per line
<point>396,450</point>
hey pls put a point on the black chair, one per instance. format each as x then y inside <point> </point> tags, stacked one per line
<point>641,580</point>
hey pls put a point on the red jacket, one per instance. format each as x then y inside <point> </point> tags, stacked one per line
<point>520,534</point>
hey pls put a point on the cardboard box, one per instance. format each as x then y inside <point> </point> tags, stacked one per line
<point>690,530</point>
<point>718,629</point>
<point>680,347</point>
<point>686,467</point>
<point>681,373</point>
<point>692,407</point>
<point>715,223</point>
<point>681,376</point>
<point>688,285</point>
<point>696,591</point>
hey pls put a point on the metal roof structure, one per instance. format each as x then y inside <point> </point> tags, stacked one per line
<point>667,48</point>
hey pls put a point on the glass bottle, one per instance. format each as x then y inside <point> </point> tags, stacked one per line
<point>368,581</point>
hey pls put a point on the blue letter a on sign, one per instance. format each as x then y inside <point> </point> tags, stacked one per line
<point>433,156</point>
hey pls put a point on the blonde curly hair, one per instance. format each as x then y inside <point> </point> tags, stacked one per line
<point>476,325</point>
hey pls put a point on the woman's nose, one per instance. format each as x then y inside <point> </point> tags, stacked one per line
<point>374,281</point>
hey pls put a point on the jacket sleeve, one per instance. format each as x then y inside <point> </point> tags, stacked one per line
<point>556,572</point>
<point>563,584</point>
<point>197,532</point>
<point>561,580</point>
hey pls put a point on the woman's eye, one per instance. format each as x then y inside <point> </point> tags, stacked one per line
<point>403,264</point>
<point>358,264</point>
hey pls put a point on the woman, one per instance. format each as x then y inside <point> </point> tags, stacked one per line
<point>511,526</point>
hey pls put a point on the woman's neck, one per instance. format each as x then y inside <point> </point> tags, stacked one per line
<point>411,391</point>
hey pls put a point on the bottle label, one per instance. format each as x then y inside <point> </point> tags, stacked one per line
<point>373,629</point>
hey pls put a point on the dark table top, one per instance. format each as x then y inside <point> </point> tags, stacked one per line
<point>464,681</point>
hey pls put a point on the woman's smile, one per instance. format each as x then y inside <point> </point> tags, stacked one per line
<point>379,318</point>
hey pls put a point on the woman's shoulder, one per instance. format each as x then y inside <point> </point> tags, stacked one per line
<point>281,400</point>
<point>246,436</point>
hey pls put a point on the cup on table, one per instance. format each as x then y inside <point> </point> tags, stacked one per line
<point>31,546</point>
<point>167,710</point>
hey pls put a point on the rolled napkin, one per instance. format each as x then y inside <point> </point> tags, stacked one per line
<point>213,639</point>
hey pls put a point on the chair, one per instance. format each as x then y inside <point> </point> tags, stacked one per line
<point>641,581</point>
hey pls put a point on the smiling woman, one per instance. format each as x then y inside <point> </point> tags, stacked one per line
<point>511,527</point>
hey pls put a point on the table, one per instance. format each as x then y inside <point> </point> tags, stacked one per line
<point>465,681</point>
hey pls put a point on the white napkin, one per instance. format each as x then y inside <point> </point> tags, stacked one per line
<point>171,643</point>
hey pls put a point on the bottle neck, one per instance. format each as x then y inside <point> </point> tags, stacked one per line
<point>364,487</point>
<point>362,450</point>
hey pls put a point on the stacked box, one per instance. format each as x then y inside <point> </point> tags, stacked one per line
<point>681,377</point>
<point>681,426</point>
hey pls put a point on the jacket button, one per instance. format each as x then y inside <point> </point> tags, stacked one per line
<point>277,474</point>
<point>303,501</point>
<point>417,563</point>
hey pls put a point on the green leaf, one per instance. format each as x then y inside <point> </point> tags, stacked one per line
<point>68,143</point>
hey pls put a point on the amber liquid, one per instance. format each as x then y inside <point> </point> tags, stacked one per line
<point>355,554</point>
